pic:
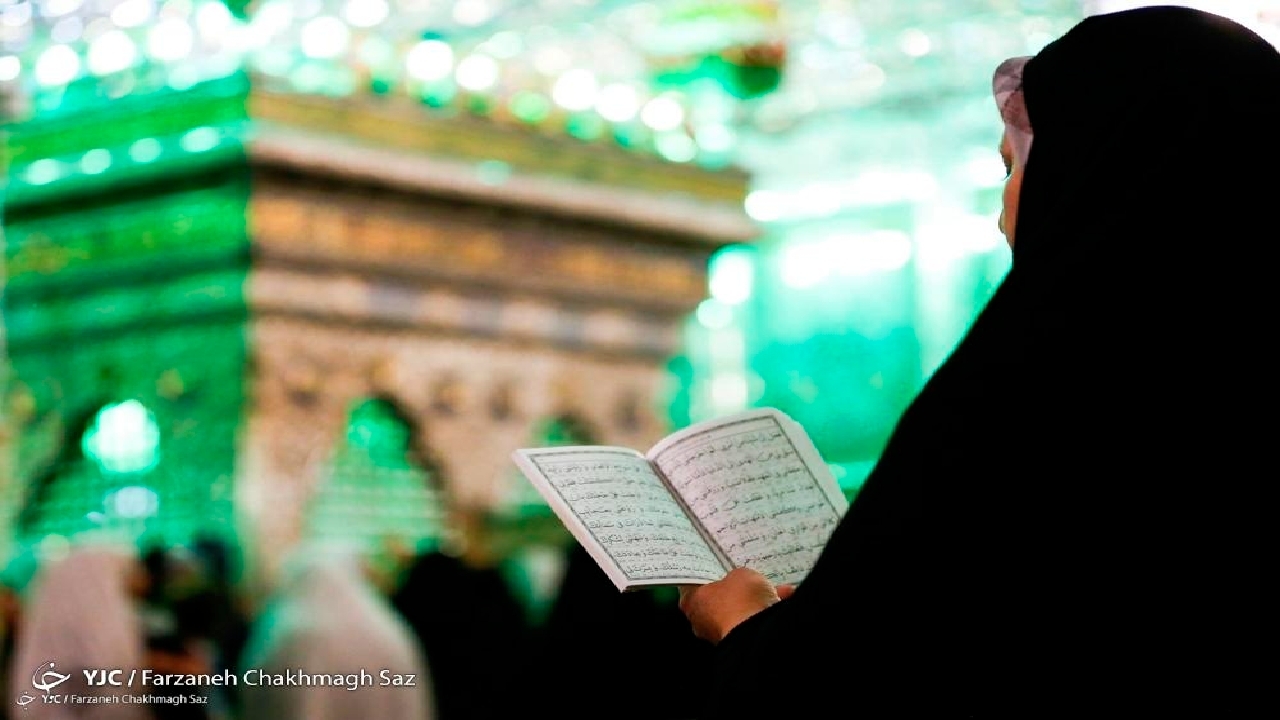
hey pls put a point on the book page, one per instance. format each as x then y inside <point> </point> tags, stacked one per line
<point>621,512</point>
<point>759,487</point>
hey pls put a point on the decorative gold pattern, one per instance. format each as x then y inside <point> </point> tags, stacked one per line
<point>583,262</point>
<point>401,124</point>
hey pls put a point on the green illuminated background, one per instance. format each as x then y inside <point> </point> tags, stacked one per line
<point>866,125</point>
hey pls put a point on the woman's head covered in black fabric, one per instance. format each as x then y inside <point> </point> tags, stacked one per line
<point>1144,121</point>
<point>1115,352</point>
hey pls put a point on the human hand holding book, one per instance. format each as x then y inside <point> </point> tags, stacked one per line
<point>747,490</point>
<point>715,609</point>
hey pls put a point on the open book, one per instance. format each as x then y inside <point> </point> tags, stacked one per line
<point>747,490</point>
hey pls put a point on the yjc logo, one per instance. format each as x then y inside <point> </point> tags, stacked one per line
<point>45,678</point>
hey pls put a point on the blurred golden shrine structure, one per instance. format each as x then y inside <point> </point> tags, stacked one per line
<point>484,281</point>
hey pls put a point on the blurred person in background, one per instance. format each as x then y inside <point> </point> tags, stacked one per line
<point>654,648</point>
<point>81,614</point>
<point>327,617</point>
<point>1070,518</point>
<point>10,607</point>
<point>470,622</point>
<point>13,583</point>
<point>224,608</point>
<point>167,648</point>
<point>186,616</point>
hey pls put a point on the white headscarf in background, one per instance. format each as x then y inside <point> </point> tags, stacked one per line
<point>327,618</point>
<point>79,614</point>
<point>1006,85</point>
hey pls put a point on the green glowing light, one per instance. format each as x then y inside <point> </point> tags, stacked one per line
<point>376,487</point>
<point>585,126</point>
<point>676,147</point>
<point>714,315</point>
<point>145,150</point>
<point>134,501</point>
<point>95,162</point>
<point>730,276</point>
<point>43,172</point>
<point>124,438</point>
<point>530,107</point>
<point>200,139</point>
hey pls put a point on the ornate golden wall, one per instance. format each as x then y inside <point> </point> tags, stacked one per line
<point>483,300</point>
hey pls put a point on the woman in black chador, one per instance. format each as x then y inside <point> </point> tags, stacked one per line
<point>1069,518</point>
<point>627,656</point>
<point>473,628</point>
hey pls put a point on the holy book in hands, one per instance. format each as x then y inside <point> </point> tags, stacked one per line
<point>747,490</point>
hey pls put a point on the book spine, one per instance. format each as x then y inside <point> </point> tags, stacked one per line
<point>707,537</point>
